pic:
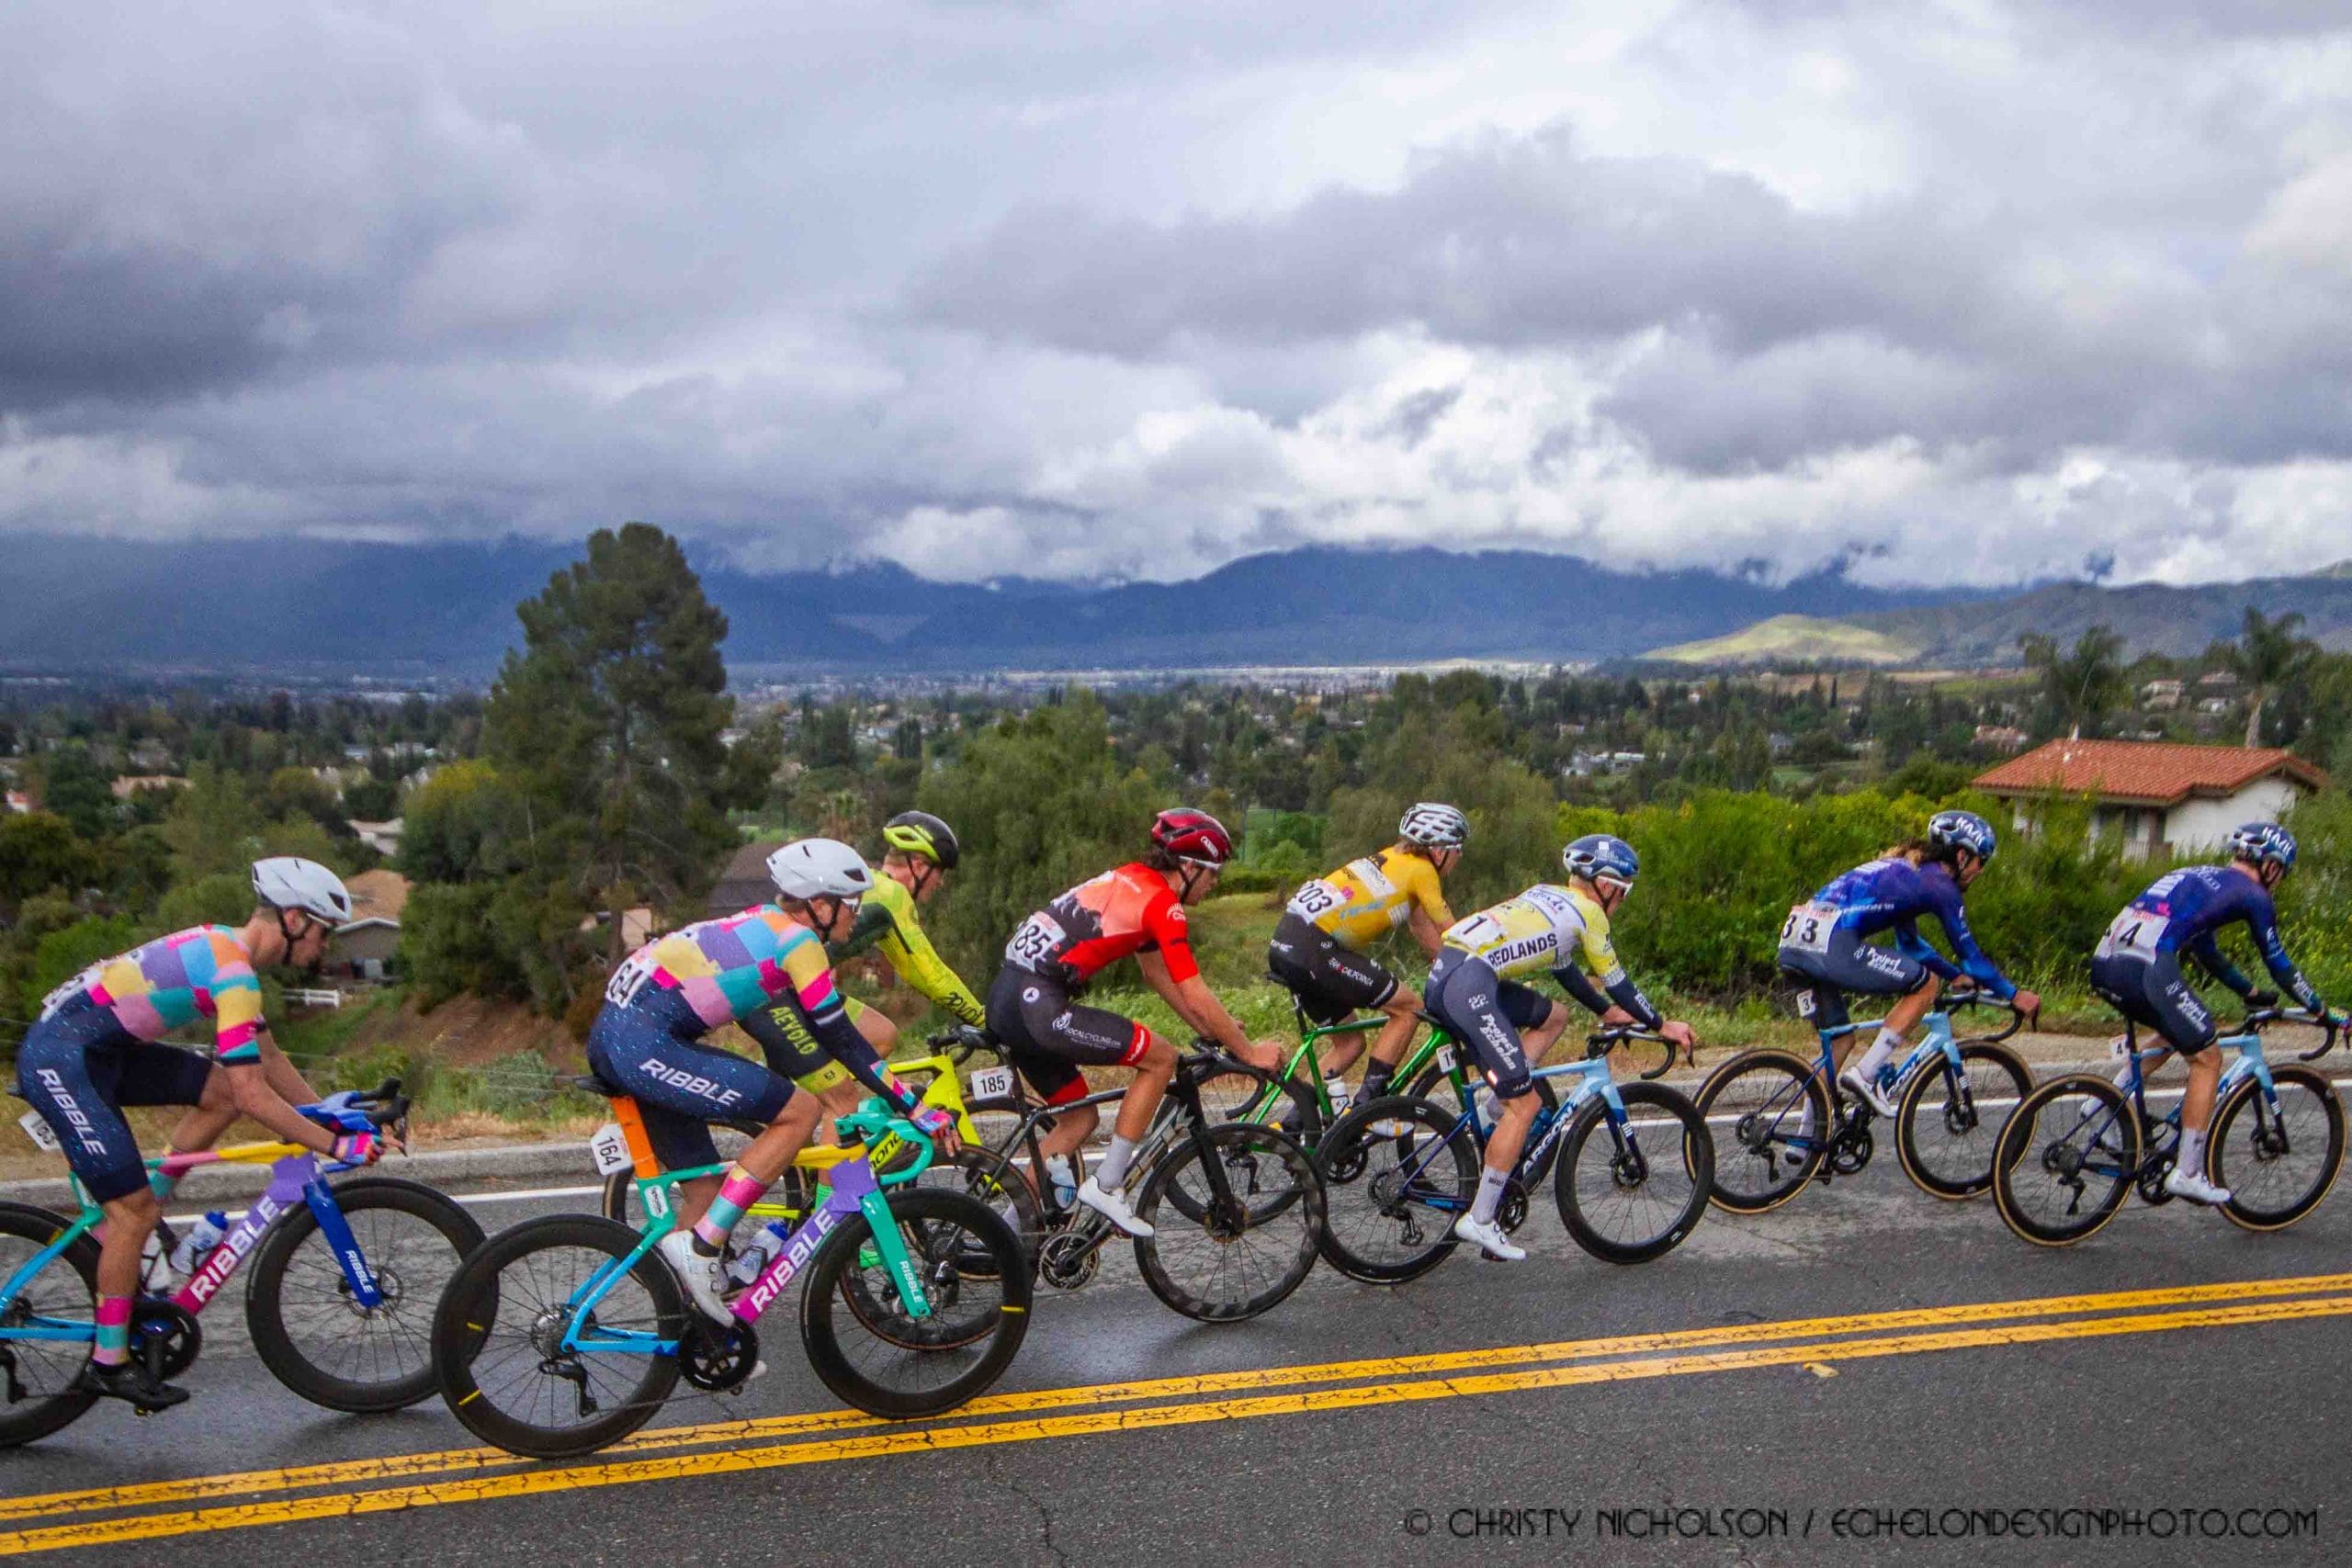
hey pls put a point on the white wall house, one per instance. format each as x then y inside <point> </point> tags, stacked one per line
<point>2161,798</point>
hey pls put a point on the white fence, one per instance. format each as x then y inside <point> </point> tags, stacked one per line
<point>315,999</point>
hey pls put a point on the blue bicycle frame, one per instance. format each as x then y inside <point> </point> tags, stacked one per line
<point>1592,1077</point>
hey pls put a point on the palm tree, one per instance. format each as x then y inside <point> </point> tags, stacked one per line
<point>2082,683</point>
<point>2266,657</point>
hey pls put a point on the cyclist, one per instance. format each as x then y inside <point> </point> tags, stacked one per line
<point>1318,948</point>
<point>97,1047</point>
<point>1474,991</point>
<point>2137,968</point>
<point>1825,945</point>
<point>918,852</point>
<point>646,1042</point>
<point>1136,909</point>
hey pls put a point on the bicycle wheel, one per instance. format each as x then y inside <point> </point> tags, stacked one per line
<point>2276,1168</point>
<point>900,1368</point>
<point>497,1339</point>
<point>1250,1248</point>
<point>1632,1193</point>
<point>2066,1160</point>
<point>1419,1174</point>
<point>1239,1098</point>
<point>37,1393</point>
<point>309,1328</point>
<point>988,1176</point>
<point>1772,1116</point>
<point>1948,1120</point>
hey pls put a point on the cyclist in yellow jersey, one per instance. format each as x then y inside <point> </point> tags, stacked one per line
<point>1474,991</point>
<point>1318,948</point>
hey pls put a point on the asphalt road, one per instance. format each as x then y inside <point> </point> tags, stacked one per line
<point>1864,1376</point>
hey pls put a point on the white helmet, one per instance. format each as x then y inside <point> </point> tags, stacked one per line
<point>1434,825</point>
<point>289,881</point>
<point>819,868</point>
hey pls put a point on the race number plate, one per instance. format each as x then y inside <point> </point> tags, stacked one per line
<point>630,978</point>
<point>2132,934</point>
<point>1805,1004</point>
<point>609,1148</point>
<point>37,1128</point>
<point>990,1083</point>
<point>1445,1058</point>
<point>1809,927</point>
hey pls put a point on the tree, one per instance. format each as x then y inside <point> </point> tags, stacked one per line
<point>75,787</point>
<point>2267,656</point>
<point>2082,684</point>
<point>39,850</point>
<point>607,725</point>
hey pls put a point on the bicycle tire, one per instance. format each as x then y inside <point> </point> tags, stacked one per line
<point>1309,1118</point>
<point>970,1374</point>
<point>1630,1166</point>
<point>1419,1206</point>
<point>2029,1155</point>
<point>1276,1186</point>
<point>2238,1158</point>
<point>1947,1168</point>
<point>1753,1170</point>
<point>989,1179</point>
<point>403,1320</point>
<point>486,1292</point>
<point>51,1401</point>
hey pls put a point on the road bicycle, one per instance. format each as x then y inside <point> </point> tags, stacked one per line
<point>2077,1144</point>
<point>1627,1197</point>
<point>1790,1121</point>
<point>339,1302</point>
<point>563,1335</point>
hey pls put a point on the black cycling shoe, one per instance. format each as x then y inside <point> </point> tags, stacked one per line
<point>131,1384</point>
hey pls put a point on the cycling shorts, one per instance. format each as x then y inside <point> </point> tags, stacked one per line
<point>1330,981</point>
<point>650,1048</point>
<point>2152,992</point>
<point>1486,1012</point>
<point>1048,1037</point>
<point>1850,965</point>
<point>796,1055</point>
<point>79,1067</point>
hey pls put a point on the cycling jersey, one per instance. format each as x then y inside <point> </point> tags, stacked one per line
<point>1561,930</point>
<point>1366,899</point>
<point>203,972</point>
<point>2183,910</point>
<point>1124,911</point>
<point>1892,894</point>
<point>887,922</point>
<point>727,968</point>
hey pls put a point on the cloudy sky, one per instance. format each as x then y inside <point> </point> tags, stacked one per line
<point>1971,291</point>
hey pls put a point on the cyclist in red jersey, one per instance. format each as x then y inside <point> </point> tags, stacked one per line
<point>1136,909</point>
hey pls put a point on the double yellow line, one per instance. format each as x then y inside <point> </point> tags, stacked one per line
<point>471,1475</point>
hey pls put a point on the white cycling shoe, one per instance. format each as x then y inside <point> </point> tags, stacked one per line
<point>1490,1240</point>
<point>1870,1094</point>
<point>1113,1206</point>
<point>2196,1188</point>
<point>703,1278</point>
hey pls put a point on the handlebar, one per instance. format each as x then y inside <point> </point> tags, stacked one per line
<point>873,1119</point>
<point>2329,1026</point>
<point>959,1043</point>
<point>1976,997</point>
<point>384,1107</point>
<point>1601,1041</point>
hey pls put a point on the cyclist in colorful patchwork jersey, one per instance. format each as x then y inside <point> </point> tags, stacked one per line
<point>647,1042</point>
<point>1826,943</point>
<point>1135,910</point>
<point>1474,989</point>
<point>1318,948</point>
<point>2137,968</point>
<point>97,1047</point>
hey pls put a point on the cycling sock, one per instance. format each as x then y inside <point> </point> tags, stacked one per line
<point>2191,1157</point>
<point>1376,1080</point>
<point>1491,1195</point>
<point>162,1183</point>
<point>737,1193</point>
<point>113,1346</point>
<point>1111,1176</point>
<point>1881,1051</point>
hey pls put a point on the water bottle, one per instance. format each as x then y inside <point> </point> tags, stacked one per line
<point>1488,1108</point>
<point>201,1238</point>
<point>1341,1097</point>
<point>154,1270</point>
<point>752,1262</point>
<point>1064,1181</point>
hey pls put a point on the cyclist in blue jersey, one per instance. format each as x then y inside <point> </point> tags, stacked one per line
<point>1826,943</point>
<point>2137,968</point>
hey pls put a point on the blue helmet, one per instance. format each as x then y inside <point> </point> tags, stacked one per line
<point>1602,854</point>
<point>1963,830</point>
<point>2264,841</point>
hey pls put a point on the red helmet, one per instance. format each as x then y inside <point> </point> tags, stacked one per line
<point>1190,833</point>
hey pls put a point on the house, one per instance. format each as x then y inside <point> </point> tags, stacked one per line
<point>2159,695</point>
<point>2001,738</point>
<point>368,940</point>
<point>745,881</point>
<point>129,785</point>
<point>2162,798</point>
<point>384,838</point>
<point>19,802</point>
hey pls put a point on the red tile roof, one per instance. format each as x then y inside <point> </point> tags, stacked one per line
<point>2145,772</point>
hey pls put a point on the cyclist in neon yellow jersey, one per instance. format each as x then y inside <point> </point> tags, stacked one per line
<point>1474,991</point>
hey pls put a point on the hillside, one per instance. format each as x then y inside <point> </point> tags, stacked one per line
<point>1794,639</point>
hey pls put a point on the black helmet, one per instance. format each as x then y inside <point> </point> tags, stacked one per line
<point>920,833</point>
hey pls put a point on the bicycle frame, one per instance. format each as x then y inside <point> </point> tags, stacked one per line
<point>2250,1063</point>
<point>1593,1077</point>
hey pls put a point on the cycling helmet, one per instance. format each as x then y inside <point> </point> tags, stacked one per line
<point>289,881</point>
<point>1962,831</point>
<point>1434,825</point>
<point>819,868</point>
<point>1598,855</point>
<point>1189,833</point>
<point>2263,843</point>
<point>920,833</point>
